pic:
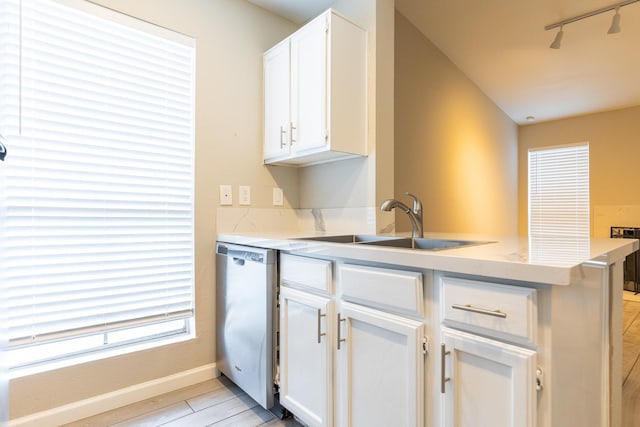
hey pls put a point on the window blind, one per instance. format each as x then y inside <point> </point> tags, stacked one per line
<point>559,192</point>
<point>97,186</point>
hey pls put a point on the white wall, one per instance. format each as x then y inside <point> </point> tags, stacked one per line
<point>231,36</point>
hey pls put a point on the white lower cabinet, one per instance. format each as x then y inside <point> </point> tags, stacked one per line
<point>380,375</point>
<point>486,382</point>
<point>487,354</point>
<point>353,361</point>
<point>306,355</point>
<point>353,340</point>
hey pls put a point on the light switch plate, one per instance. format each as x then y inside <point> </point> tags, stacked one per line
<point>244,195</point>
<point>278,197</point>
<point>225,195</point>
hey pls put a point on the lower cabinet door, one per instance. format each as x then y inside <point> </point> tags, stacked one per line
<point>486,382</point>
<point>381,369</point>
<point>305,356</point>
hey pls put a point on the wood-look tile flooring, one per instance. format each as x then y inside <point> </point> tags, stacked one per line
<point>220,403</point>
<point>217,403</point>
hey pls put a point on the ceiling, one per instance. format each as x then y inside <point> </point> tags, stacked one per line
<point>502,46</point>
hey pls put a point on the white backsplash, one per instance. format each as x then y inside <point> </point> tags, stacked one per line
<point>334,220</point>
<point>242,220</point>
<point>338,220</point>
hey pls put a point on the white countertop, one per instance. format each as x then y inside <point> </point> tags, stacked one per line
<point>556,262</point>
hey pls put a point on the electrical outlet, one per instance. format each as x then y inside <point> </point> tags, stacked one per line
<point>225,195</point>
<point>278,197</point>
<point>244,195</point>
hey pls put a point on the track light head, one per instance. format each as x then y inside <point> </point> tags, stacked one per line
<point>615,22</point>
<point>557,41</point>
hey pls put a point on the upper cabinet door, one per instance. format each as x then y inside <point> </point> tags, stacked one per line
<point>309,85</point>
<point>277,125</point>
<point>316,109</point>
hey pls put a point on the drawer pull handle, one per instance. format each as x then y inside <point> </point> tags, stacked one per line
<point>282,133</point>
<point>340,339</point>
<point>443,378</point>
<point>320,333</point>
<point>291,129</point>
<point>469,307</point>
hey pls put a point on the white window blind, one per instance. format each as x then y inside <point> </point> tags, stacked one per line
<point>559,192</point>
<point>97,185</point>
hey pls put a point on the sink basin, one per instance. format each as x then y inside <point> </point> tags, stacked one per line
<point>425,243</point>
<point>350,238</point>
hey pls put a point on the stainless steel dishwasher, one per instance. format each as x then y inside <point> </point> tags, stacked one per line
<point>245,316</point>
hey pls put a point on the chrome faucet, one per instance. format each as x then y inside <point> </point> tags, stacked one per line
<point>415,214</point>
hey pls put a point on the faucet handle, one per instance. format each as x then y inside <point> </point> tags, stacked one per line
<point>417,204</point>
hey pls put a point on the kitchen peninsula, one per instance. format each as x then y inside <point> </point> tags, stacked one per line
<point>500,331</point>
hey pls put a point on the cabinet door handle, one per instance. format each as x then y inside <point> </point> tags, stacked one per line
<point>291,129</point>
<point>282,133</point>
<point>320,334</point>
<point>443,377</point>
<point>340,339</point>
<point>469,307</point>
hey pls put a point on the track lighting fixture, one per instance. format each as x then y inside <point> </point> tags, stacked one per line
<point>557,40</point>
<point>615,23</point>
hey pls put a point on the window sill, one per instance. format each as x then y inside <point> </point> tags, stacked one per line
<point>97,355</point>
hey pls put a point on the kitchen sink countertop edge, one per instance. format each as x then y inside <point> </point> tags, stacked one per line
<point>551,261</point>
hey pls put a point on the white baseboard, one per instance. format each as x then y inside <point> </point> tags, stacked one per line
<point>105,402</point>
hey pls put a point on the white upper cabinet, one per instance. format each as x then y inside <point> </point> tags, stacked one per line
<point>309,86</point>
<point>276,95</point>
<point>315,94</point>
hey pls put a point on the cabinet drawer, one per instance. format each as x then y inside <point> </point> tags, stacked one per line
<point>502,311</point>
<point>306,272</point>
<point>382,287</point>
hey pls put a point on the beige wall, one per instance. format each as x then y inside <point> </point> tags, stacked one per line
<point>362,182</point>
<point>614,150</point>
<point>231,36</point>
<point>384,144</point>
<point>454,148</point>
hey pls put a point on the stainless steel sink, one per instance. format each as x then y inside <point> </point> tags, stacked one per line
<point>425,244</point>
<point>350,238</point>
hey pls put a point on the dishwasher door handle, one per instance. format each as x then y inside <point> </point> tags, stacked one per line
<point>238,261</point>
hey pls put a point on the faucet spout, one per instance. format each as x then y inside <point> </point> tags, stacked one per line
<point>415,214</point>
<point>390,204</point>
